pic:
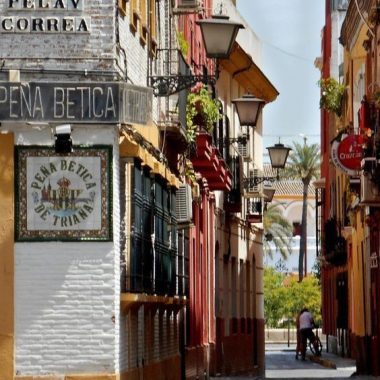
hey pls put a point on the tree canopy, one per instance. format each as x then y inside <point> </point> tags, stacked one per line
<point>284,297</point>
<point>277,229</point>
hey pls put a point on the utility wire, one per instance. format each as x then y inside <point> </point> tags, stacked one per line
<point>290,54</point>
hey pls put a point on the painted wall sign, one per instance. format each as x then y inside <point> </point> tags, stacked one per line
<point>64,197</point>
<point>347,153</point>
<point>59,16</point>
<point>82,102</point>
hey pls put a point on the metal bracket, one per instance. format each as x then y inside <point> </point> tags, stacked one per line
<point>228,141</point>
<point>254,181</point>
<point>171,84</point>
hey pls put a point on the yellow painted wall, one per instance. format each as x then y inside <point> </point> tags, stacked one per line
<point>353,63</point>
<point>356,287</point>
<point>6,257</point>
<point>149,132</point>
<point>358,58</point>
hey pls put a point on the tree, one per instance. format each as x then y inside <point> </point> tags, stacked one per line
<point>284,297</point>
<point>278,230</point>
<point>304,294</point>
<point>304,165</point>
<point>274,296</point>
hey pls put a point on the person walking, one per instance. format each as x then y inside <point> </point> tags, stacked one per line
<point>298,336</point>
<point>306,325</point>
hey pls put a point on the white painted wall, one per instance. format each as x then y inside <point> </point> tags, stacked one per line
<point>292,211</point>
<point>67,294</point>
<point>64,309</point>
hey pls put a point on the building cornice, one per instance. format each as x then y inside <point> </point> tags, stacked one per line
<point>354,20</point>
<point>245,71</point>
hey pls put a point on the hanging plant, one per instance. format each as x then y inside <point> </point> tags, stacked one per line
<point>202,111</point>
<point>182,43</point>
<point>190,172</point>
<point>331,95</point>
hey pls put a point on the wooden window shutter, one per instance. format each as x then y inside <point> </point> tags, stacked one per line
<point>153,28</point>
<point>135,14</point>
<point>122,4</point>
<point>144,21</point>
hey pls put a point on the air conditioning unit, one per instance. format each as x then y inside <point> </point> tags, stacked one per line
<point>369,192</point>
<point>188,3</point>
<point>243,149</point>
<point>184,207</point>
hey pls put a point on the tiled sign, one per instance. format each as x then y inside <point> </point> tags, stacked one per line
<point>63,197</point>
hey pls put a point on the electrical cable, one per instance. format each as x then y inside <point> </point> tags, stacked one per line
<point>363,19</point>
<point>290,54</point>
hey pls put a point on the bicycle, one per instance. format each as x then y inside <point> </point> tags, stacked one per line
<point>315,346</point>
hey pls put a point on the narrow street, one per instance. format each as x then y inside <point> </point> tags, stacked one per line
<point>281,364</point>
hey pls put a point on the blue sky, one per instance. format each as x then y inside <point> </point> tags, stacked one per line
<point>290,31</point>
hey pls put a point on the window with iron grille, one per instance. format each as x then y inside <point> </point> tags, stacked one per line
<point>153,238</point>
<point>233,197</point>
<point>183,262</point>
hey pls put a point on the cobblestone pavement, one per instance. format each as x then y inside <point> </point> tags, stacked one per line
<point>281,364</point>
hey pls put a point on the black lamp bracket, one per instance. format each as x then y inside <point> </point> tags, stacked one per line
<point>171,84</point>
<point>254,181</point>
<point>230,140</point>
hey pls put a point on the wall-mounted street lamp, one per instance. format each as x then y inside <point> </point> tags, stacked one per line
<point>268,193</point>
<point>218,34</point>
<point>248,109</point>
<point>278,155</point>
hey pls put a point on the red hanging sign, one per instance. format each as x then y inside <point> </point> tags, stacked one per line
<point>347,154</point>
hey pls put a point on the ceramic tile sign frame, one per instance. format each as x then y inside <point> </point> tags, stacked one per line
<point>63,197</point>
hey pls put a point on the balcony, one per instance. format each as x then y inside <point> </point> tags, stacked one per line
<point>335,244</point>
<point>233,200</point>
<point>172,122</point>
<point>254,211</point>
<point>209,163</point>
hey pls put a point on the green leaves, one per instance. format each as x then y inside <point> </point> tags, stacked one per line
<point>284,297</point>
<point>304,162</point>
<point>201,111</point>
<point>279,228</point>
<point>182,43</point>
<point>331,96</point>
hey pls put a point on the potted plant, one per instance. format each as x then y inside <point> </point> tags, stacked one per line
<point>331,96</point>
<point>202,111</point>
